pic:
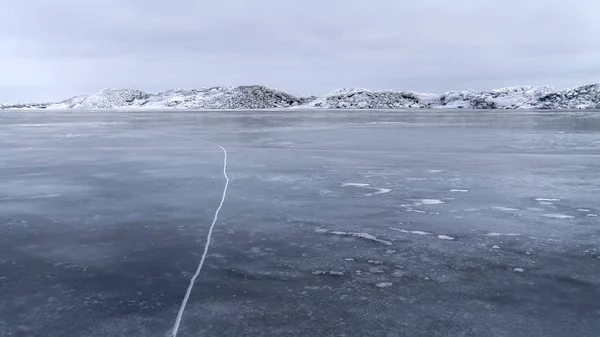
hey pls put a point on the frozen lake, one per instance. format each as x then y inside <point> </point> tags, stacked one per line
<point>381,223</point>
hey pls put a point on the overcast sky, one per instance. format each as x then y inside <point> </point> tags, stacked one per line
<point>54,49</point>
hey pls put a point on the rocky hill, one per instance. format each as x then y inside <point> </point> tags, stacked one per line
<point>261,97</point>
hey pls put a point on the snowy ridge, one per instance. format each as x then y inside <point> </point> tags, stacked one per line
<point>261,97</point>
<point>372,99</point>
<point>241,97</point>
<point>582,97</point>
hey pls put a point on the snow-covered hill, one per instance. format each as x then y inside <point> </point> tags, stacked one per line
<point>242,97</point>
<point>583,97</point>
<point>261,97</point>
<point>373,99</point>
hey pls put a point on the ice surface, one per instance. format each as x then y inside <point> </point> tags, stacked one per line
<point>31,197</point>
<point>116,248</point>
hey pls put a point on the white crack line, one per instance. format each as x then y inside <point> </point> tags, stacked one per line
<point>208,238</point>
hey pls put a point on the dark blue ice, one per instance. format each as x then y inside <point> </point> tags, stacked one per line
<point>381,223</point>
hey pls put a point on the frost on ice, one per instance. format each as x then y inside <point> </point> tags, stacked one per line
<point>376,190</point>
<point>424,202</point>
<point>328,272</point>
<point>504,209</point>
<point>383,284</point>
<point>410,231</point>
<point>503,234</point>
<point>365,236</point>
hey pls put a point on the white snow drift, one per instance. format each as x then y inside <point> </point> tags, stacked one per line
<point>261,97</point>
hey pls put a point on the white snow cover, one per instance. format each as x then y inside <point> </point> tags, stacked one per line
<point>261,97</point>
<point>214,98</point>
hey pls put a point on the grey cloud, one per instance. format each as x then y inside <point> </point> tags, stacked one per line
<point>71,46</point>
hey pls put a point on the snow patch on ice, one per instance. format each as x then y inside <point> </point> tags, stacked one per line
<point>422,202</point>
<point>355,185</point>
<point>592,215</point>
<point>410,231</point>
<point>504,209</point>
<point>365,236</point>
<point>383,284</point>
<point>445,237</point>
<point>518,270</point>
<point>32,197</point>
<point>415,211</point>
<point>503,234</point>
<point>461,191</point>
<point>375,262</point>
<point>558,216</point>
<point>547,199</point>
<point>583,210</point>
<point>379,191</point>
<point>399,273</point>
<point>495,247</point>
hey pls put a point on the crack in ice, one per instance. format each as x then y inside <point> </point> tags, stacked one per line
<point>207,244</point>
